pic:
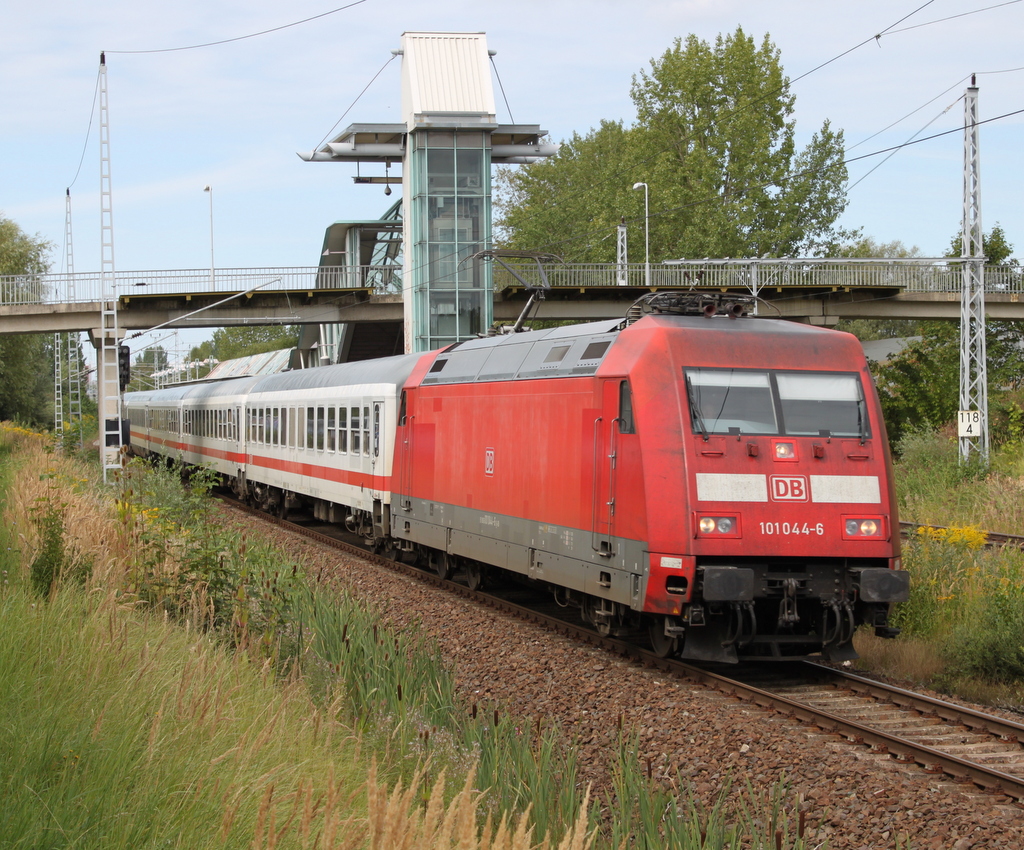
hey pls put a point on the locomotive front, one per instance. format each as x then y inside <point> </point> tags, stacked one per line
<point>773,531</point>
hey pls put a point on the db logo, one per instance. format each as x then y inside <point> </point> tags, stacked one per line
<point>789,488</point>
<point>489,462</point>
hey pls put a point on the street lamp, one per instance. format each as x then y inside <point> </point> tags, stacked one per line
<point>210,190</point>
<point>647,235</point>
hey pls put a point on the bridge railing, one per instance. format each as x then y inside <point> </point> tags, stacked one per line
<point>88,286</point>
<point>912,275</point>
<point>915,275</point>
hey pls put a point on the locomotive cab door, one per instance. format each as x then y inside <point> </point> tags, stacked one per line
<point>607,428</point>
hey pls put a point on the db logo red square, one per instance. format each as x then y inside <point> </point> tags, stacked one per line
<point>789,488</point>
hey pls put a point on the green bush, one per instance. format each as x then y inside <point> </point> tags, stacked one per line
<point>988,641</point>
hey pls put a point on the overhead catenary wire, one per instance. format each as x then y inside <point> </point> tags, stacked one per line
<point>898,149</point>
<point>240,37</point>
<point>954,17</point>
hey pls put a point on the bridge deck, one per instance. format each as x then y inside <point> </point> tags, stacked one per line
<point>813,289</point>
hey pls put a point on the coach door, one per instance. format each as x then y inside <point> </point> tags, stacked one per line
<point>377,450</point>
<point>606,431</point>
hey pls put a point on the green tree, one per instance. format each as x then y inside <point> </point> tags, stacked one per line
<point>714,142</point>
<point>26,360</point>
<point>920,386</point>
<point>234,342</point>
<point>994,246</point>
<point>865,247</point>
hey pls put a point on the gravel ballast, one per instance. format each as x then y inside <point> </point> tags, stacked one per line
<point>860,799</point>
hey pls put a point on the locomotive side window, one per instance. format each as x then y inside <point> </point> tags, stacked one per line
<point>721,399</point>
<point>816,402</point>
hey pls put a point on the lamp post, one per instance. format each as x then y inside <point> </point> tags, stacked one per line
<point>210,190</point>
<point>647,235</point>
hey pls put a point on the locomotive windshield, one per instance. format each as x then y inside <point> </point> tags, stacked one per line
<point>724,401</point>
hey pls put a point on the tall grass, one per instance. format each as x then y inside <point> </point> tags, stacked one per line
<point>934,488</point>
<point>964,621</point>
<point>256,710</point>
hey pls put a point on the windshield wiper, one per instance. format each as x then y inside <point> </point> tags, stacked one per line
<point>695,413</point>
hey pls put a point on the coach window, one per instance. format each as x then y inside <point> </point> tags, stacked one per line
<point>275,427</point>
<point>291,427</point>
<point>310,426</point>
<point>331,428</point>
<point>319,429</point>
<point>343,430</point>
<point>366,430</point>
<point>353,423</point>
<point>626,423</point>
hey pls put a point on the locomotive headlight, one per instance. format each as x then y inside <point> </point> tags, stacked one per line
<point>718,526</point>
<point>784,449</point>
<point>861,528</point>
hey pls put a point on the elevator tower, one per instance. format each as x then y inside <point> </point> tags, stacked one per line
<point>447,144</point>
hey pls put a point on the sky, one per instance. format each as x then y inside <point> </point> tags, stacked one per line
<point>234,115</point>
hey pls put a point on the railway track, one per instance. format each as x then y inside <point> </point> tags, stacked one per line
<point>941,737</point>
<point>992,538</point>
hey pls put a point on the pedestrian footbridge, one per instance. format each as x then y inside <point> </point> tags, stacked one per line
<point>812,290</point>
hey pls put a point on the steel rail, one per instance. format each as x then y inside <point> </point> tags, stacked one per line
<point>1007,730</point>
<point>931,759</point>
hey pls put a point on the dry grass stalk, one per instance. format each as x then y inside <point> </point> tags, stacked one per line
<point>397,821</point>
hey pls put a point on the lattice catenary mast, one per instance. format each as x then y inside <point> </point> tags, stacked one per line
<point>107,380</point>
<point>973,369</point>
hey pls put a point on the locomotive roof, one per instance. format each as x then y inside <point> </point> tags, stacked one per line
<point>576,350</point>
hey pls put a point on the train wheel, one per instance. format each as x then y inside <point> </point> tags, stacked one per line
<point>661,643</point>
<point>385,547</point>
<point>474,575</point>
<point>442,564</point>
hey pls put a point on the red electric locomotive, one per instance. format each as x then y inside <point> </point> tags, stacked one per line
<point>722,482</point>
